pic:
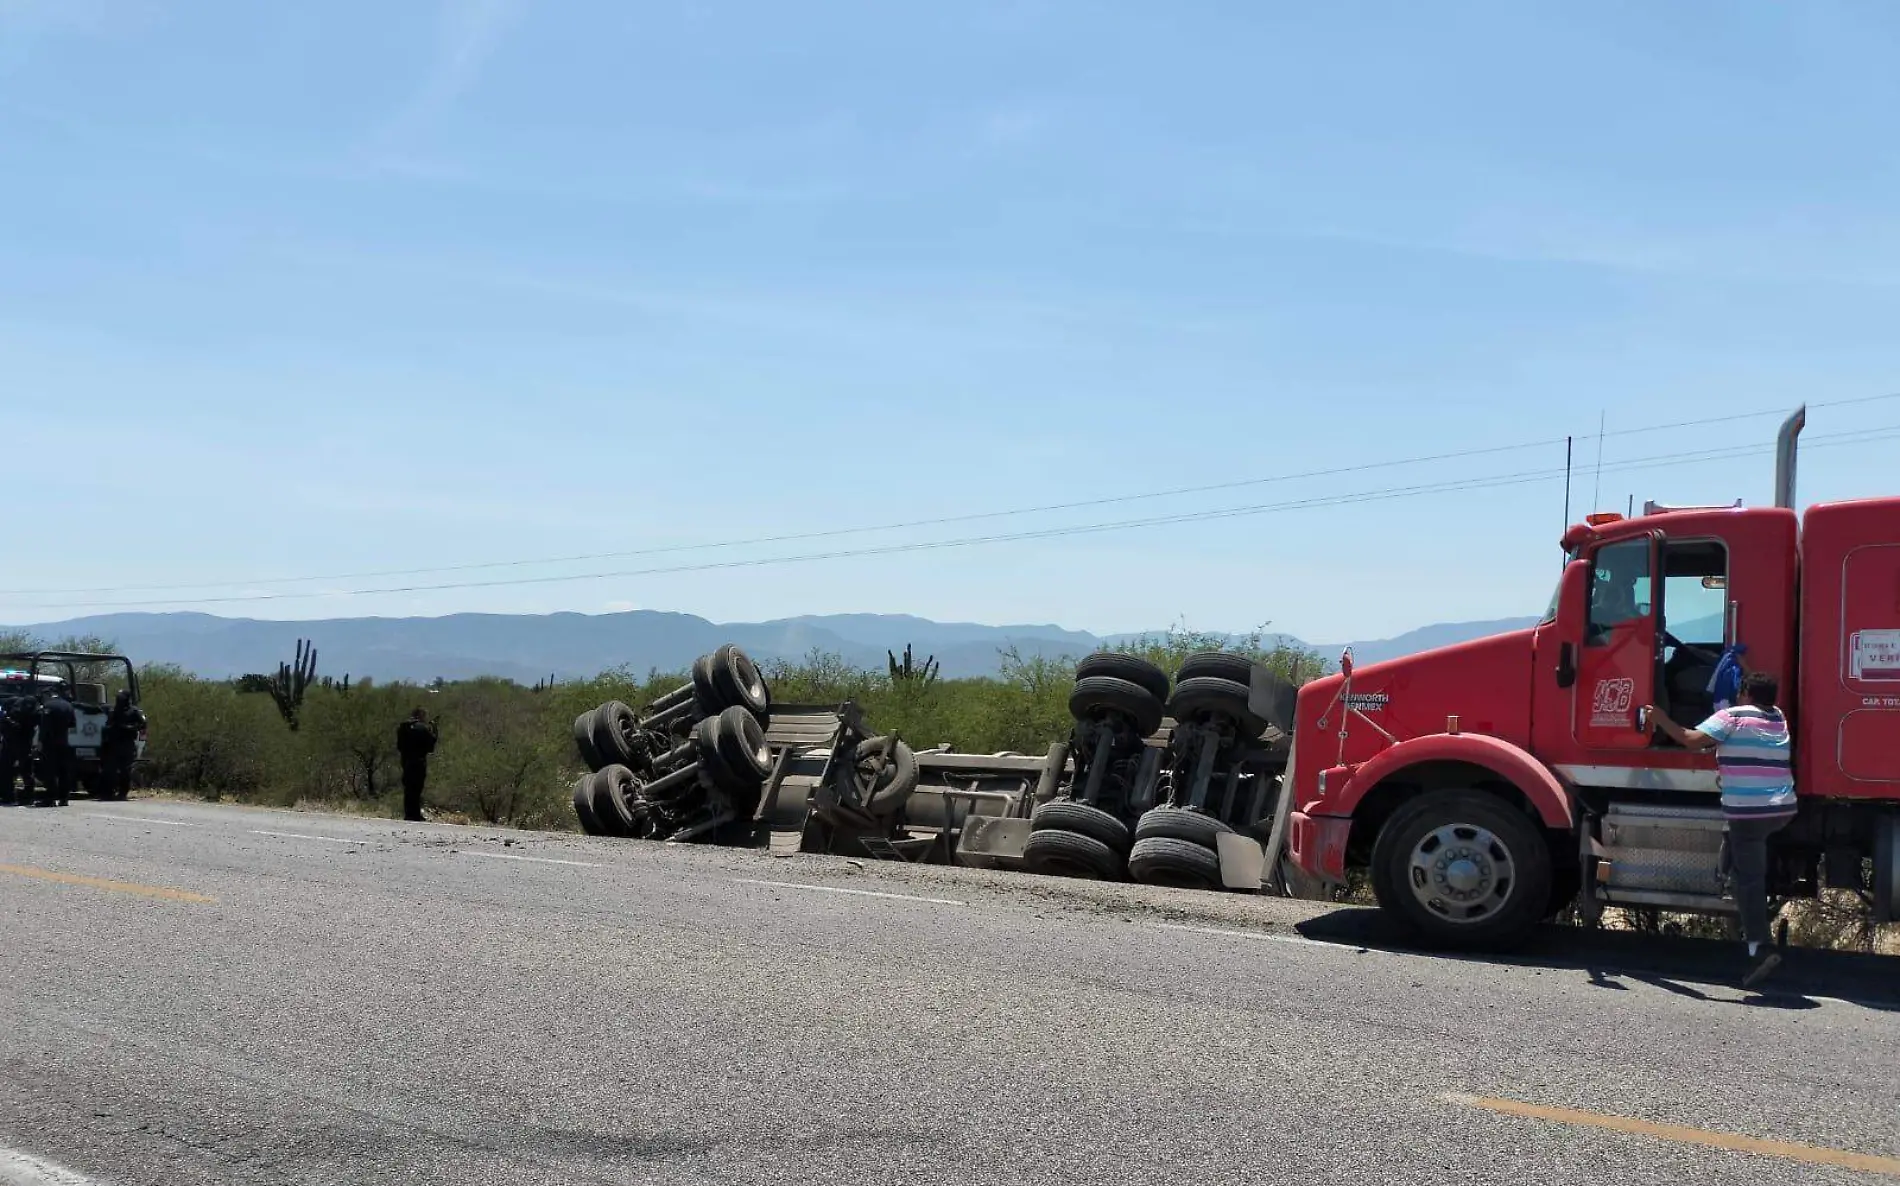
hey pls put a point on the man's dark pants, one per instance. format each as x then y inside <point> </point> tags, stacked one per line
<point>16,758</point>
<point>414,774</point>
<point>117,759</point>
<point>1745,854</point>
<point>62,772</point>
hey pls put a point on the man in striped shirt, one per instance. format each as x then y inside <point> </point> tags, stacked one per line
<point>1753,753</point>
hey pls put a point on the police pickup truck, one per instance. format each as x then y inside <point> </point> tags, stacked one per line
<point>83,678</point>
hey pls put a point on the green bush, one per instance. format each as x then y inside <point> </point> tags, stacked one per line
<point>501,756</point>
<point>208,740</point>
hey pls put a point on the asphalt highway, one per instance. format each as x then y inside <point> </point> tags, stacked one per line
<point>197,994</point>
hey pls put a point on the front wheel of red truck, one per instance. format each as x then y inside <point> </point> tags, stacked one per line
<point>1462,869</point>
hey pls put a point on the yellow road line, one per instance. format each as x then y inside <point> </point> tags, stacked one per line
<point>1786,1150</point>
<point>117,887</point>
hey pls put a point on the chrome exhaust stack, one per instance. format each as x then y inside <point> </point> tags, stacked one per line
<point>1785,449</point>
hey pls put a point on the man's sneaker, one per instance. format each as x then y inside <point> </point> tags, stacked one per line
<point>1764,967</point>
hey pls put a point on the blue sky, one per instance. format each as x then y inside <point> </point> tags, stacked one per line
<point>314,290</point>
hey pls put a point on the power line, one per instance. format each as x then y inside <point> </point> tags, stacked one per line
<point>939,521</point>
<point>1495,481</point>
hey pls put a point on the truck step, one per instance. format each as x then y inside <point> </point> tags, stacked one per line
<point>1672,851</point>
<point>1688,903</point>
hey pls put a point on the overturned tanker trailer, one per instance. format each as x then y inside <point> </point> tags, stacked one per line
<point>1168,782</point>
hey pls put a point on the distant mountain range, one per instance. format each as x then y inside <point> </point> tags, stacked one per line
<point>575,646</point>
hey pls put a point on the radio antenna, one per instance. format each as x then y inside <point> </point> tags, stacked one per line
<point>1596,492</point>
<point>1569,447</point>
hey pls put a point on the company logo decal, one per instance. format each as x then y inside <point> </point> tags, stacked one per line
<point>1612,704</point>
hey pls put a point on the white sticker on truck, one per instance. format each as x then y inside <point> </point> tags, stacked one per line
<point>1873,655</point>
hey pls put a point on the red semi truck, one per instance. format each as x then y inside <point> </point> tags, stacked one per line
<point>1486,786</point>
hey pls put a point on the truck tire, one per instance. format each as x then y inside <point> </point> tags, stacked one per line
<point>616,736</point>
<point>1217,665</point>
<point>1462,869</point>
<point>738,683</point>
<point>1099,694</point>
<point>889,788</point>
<point>739,739</point>
<point>1183,864</point>
<point>1566,883</point>
<point>610,812</point>
<point>705,690</point>
<point>617,800</point>
<point>1068,815</point>
<point>1214,696</point>
<point>584,741</point>
<point>1132,668</point>
<point>706,738</point>
<point>584,805</point>
<point>1887,867</point>
<point>1181,823</point>
<point>1055,853</point>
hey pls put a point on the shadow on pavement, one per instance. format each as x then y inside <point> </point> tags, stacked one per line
<point>1677,965</point>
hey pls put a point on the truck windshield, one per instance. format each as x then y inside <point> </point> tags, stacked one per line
<point>1550,612</point>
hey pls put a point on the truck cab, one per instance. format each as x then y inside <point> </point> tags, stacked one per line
<point>1486,786</point>
<point>91,682</point>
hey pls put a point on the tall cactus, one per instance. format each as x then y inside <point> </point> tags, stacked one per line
<point>907,671</point>
<point>292,681</point>
<point>288,686</point>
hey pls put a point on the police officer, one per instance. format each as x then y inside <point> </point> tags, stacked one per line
<point>57,721</point>
<point>16,747</point>
<point>415,741</point>
<point>119,747</point>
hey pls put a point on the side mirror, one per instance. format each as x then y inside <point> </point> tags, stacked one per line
<point>1571,617</point>
<point>1573,593</point>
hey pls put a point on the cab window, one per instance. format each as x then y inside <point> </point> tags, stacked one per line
<point>1695,626</point>
<point>1695,593</point>
<point>1619,587</point>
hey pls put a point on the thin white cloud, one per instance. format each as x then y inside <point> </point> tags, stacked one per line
<point>1013,127</point>
<point>85,17</point>
<point>467,35</point>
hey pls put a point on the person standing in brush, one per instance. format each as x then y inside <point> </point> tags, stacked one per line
<point>415,741</point>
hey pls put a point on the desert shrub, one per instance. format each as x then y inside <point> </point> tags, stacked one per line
<point>208,739</point>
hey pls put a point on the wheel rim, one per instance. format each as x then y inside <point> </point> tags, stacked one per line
<point>754,682</point>
<point>753,735</point>
<point>874,771</point>
<point>1462,873</point>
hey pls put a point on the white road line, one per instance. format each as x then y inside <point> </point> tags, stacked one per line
<point>307,836</point>
<point>509,856</point>
<point>1302,940</point>
<point>136,819</point>
<point>836,889</point>
<point>22,1169</point>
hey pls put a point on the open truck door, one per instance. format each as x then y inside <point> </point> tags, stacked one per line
<point>1622,646</point>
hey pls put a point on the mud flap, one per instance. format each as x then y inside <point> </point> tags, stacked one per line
<point>1271,698</point>
<point>1241,861</point>
<point>1887,869</point>
<point>992,842</point>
